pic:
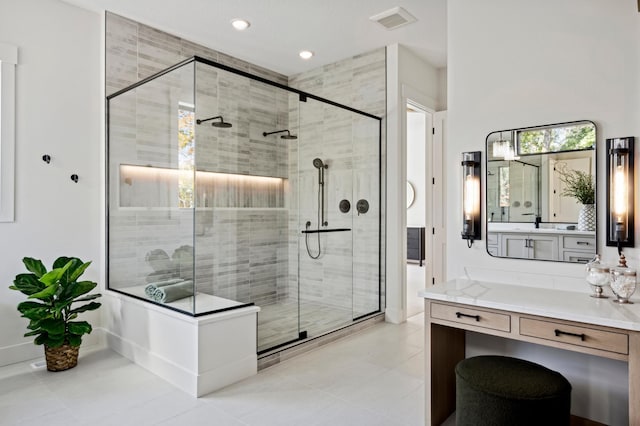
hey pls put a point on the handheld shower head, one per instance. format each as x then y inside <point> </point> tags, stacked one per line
<point>317,163</point>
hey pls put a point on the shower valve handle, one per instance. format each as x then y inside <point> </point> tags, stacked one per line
<point>362,206</point>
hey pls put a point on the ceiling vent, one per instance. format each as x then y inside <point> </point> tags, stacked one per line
<point>394,18</point>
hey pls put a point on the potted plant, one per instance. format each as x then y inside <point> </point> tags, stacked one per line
<point>580,185</point>
<point>52,318</point>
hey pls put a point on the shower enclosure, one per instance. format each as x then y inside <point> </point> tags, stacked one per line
<point>226,190</point>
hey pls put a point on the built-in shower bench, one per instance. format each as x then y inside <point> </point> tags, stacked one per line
<point>198,354</point>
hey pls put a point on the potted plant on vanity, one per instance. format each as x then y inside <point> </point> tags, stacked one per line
<point>50,311</point>
<point>580,185</point>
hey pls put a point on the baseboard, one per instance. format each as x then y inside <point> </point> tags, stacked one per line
<point>21,352</point>
<point>395,316</point>
<point>227,374</point>
<point>169,371</point>
<point>28,351</point>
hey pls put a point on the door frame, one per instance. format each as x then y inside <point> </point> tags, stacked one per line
<point>434,221</point>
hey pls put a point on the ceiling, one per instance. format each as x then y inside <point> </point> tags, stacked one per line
<point>332,29</point>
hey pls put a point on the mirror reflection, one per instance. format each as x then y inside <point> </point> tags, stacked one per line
<point>540,197</point>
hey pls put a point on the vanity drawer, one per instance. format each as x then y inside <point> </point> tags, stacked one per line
<point>577,256</point>
<point>579,242</point>
<point>576,335</point>
<point>471,316</point>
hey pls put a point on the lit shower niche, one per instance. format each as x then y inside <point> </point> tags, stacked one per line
<point>158,187</point>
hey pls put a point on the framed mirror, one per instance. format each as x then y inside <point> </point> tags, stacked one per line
<point>541,192</point>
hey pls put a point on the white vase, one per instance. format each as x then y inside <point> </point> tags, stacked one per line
<point>587,218</point>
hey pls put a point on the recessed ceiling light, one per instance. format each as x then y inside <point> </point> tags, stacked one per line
<point>240,24</point>
<point>306,54</point>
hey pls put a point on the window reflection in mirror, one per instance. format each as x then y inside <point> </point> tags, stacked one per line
<point>530,214</point>
<point>557,138</point>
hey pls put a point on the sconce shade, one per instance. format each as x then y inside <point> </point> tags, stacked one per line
<point>471,196</point>
<point>620,192</point>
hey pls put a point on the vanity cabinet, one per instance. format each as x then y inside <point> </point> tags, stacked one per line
<point>579,248</point>
<point>539,316</point>
<point>529,246</point>
<point>576,247</point>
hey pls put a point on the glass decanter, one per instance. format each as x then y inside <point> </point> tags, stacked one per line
<point>623,283</point>
<point>597,277</point>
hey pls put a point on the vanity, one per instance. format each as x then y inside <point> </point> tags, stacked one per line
<point>550,317</point>
<point>541,243</point>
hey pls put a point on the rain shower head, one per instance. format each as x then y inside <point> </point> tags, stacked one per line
<point>287,136</point>
<point>220,124</point>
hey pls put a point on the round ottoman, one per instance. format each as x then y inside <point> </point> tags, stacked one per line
<point>498,390</point>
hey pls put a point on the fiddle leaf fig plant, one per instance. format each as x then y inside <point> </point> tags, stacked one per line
<point>50,310</point>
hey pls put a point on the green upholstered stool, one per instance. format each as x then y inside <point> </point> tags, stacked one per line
<point>504,391</point>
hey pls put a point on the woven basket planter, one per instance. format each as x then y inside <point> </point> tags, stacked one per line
<point>61,358</point>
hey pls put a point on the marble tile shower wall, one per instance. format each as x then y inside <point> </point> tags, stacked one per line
<point>347,274</point>
<point>241,248</point>
<point>249,254</point>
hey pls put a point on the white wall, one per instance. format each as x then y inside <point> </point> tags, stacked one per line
<point>416,163</point>
<point>58,112</point>
<point>505,72</point>
<point>515,64</point>
<point>405,74</point>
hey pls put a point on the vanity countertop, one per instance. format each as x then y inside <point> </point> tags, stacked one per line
<point>567,305</point>
<point>541,231</point>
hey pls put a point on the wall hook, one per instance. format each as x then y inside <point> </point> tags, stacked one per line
<point>46,158</point>
<point>74,177</point>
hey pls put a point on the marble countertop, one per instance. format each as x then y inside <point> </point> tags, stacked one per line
<point>542,231</point>
<point>551,303</point>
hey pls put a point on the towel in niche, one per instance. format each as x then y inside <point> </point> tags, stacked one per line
<point>150,289</point>
<point>173,292</point>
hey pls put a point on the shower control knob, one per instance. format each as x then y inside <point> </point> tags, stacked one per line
<point>345,206</point>
<point>362,206</point>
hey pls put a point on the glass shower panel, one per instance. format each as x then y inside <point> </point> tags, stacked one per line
<point>151,190</point>
<point>242,216</point>
<point>325,170</point>
<point>366,225</point>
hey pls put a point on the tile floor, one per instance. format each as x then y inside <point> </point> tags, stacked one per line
<point>374,377</point>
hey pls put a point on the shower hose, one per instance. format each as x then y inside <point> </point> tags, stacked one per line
<point>306,236</point>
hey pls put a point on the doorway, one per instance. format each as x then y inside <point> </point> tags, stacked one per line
<point>419,125</point>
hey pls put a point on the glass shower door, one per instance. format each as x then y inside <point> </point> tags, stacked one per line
<point>326,208</point>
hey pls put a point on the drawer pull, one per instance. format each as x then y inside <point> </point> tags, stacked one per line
<point>460,314</point>
<point>584,243</point>
<point>559,332</point>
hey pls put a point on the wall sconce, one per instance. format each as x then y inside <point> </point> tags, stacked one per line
<point>471,197</point>
<point>620,200</point>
